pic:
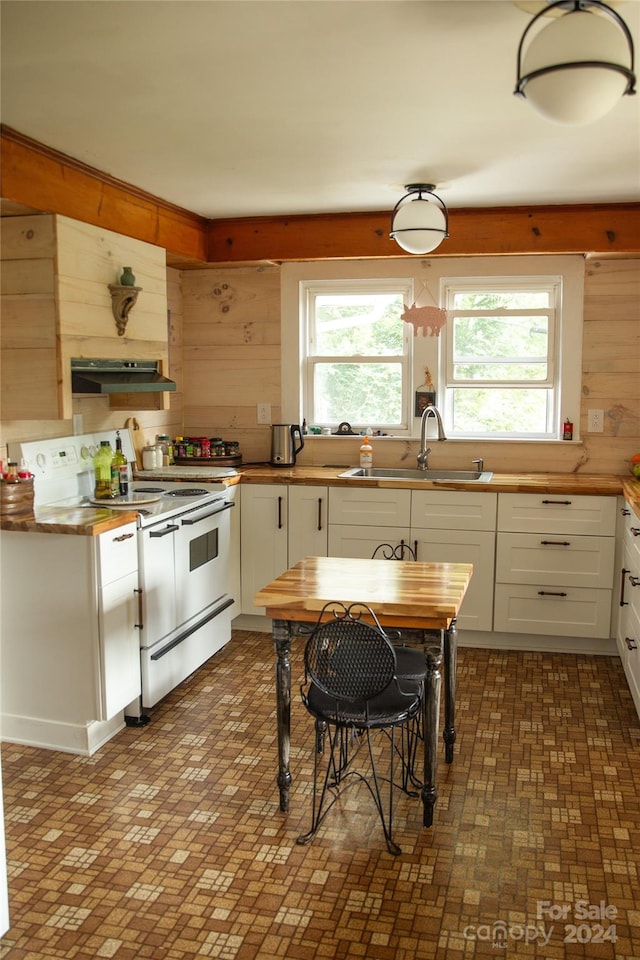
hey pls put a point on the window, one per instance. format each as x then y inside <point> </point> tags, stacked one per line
<point>501,370</point>
<point>357,357</point>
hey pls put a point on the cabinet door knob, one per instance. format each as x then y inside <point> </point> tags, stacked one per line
<point>631,643</point>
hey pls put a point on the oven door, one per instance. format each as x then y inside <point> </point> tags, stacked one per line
<point>202,553</point>
<point>186,574</point>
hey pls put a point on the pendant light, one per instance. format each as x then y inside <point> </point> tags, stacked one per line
<point>422,223</point>
<point>577,67</point>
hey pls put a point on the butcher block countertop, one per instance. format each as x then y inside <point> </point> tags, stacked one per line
<point>86,521</point>
<point>595,484</point>
<point>82,521</point>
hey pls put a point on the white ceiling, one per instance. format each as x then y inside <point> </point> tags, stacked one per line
<point>260,107</point>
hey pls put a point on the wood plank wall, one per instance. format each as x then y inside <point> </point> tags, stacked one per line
<point>232,352</point>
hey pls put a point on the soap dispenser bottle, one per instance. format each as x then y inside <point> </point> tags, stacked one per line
<point>366,455</point>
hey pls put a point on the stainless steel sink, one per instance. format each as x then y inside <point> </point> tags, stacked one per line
<point>384,473</point>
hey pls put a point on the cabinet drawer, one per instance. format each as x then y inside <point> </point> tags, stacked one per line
<point>557,513</point>
<point>551,610</point>
<point>373,508</point>
<point>354,540</point>
<point>573,561</point>
<point>117,553</point>
<point>451,510</point>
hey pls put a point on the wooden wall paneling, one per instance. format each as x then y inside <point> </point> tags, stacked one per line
<point>22,277</point>
<point>28,238</point>
<point>29,383</point>
<point>611,362</point>
<point>28,322</point>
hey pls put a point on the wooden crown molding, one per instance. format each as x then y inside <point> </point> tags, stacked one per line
<point>46,180</point>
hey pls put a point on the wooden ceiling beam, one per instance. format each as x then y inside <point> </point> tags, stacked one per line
<point>44,179</point>
<point>605,228</point>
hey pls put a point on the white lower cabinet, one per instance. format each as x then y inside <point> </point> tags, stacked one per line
<point>263,538</point>
<point>70,650</point>
<point>628,633</point>
<point>308,514</point>
<point>118,607</point>
<point>459,527</point>
<point>554,565</point>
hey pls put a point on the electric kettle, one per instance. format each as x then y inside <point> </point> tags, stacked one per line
<point>283,444</point>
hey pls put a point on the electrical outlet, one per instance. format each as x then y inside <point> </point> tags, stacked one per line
<point>595,421</point>
<point>264,413</point>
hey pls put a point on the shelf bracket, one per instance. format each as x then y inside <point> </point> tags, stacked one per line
<point>123,298</point>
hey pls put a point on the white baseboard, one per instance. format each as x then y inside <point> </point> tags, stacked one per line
<point>82,739</point>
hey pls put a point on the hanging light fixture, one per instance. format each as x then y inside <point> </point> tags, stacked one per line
<point>419,225</point>
<point>579,65</point>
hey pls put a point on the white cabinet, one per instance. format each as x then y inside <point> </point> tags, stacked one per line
<point>308,522</point>
<point>361,518</point>
<point>263,538</point>
<point>459,527</point>
<point>69,645</point>
<point>554,565</point>
<point>628,635</point>
<point>117,608</point>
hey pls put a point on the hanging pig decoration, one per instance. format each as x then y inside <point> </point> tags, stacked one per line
<point>429,320</point>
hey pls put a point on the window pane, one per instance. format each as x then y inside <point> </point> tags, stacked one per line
<point>506,300</point>
<point>500,411</point>
<point>500,371</point>
<point>363,394</point>
<point>366,324</point>
<point>512,338</point>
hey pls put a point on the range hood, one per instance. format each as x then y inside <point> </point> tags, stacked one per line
<point>118,376</point>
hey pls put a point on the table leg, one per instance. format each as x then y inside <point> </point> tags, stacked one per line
<point>282,644</point>
<point>431,714</point>
<point>450,666</point>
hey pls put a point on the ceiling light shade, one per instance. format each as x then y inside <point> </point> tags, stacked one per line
<point>579,65</point>
<point>422,223</point>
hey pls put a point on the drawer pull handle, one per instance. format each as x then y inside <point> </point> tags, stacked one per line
<point>631,643</point>
<point>623,602</point>
<point>635,531</point>
<point>625,512</point>
<point>550,593</point>
<point>555,543</point>
<point>634,581</point>
<point>563,503</point>
<point>319,513</point>
<point>124,536</point>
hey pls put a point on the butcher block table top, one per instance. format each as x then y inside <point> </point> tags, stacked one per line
<point>421,595</point>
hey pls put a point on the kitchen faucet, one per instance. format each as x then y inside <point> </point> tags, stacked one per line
<point>423,455</point>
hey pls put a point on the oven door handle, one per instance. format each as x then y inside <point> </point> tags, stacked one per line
<point>228,602</point>
<point>189,521</point>
<point>171,528</point>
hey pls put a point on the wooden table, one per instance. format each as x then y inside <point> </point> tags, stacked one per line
<point>404,595</point>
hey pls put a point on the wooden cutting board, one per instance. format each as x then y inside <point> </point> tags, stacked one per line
<point>137,438</point>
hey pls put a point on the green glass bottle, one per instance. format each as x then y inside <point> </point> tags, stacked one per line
<point>102,471</point>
